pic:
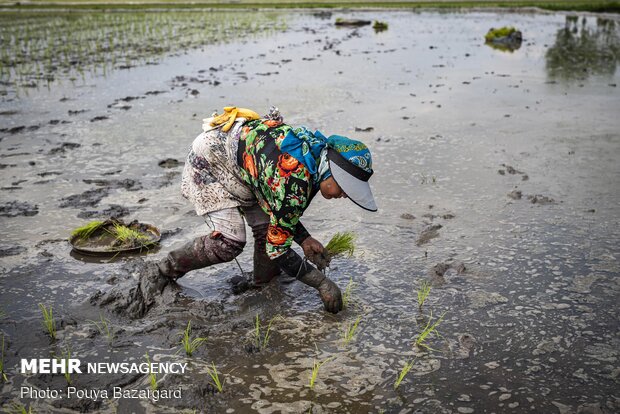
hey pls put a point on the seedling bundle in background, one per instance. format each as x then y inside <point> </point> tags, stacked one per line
<point>113,236</point>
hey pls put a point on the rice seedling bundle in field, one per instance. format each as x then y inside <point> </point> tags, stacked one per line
<point>215,377</point>
<point>261,340</point>
<point>429,329</point>
<point>48,320</point>
<point>190,345</point>
<point>87,230</point>
<point>152,375</point>
<point>423,292</point>
<point>350,330</point>
<point>403,373</point>
<point>316,366</point>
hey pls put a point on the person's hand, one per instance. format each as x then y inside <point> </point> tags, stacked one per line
<point>315,252</point>
<point>330,295</point>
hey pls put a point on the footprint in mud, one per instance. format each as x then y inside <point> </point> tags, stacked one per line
<point>428,234</point>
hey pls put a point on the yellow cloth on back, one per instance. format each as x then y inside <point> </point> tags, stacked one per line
<point>230,114</point>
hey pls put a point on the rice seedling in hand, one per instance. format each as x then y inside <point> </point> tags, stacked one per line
<point>316,366</point>
<point>423,291</point>
<point>48,320</point>
<point>341,243</point>
<point>215,377</point>
<point>103,326</point>
<point>85,231</point>
<point>262,340</point>
<point>152,375</point>
<point>349,330</point>
<point>2,373</point>
<point>346,295</point>
<point>191,345</point>
<point>429,329</point>
<point>403,373</point>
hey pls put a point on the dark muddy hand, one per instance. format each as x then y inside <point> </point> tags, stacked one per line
<point>330,295</point>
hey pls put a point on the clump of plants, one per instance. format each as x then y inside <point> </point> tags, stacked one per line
<point>2,373</point>
<point>494,34</point>
<point>429,329</point>
<point>379,26</point>
<point>87,230</point>
<point>215,377</point>
<point>18,408</point>
<point>350,330</point>
<point>316,366</point>
<point>152,375</point>
<point>346,295</point>
<point>127,237</point>
<point>423,292</point>
<point>48,320</point>
<point>262,336</point>
<point>341,243</point>
<point>403,373</point>
<point>190,345</point>
<point>103,326</point>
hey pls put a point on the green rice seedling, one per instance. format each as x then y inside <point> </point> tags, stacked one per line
<point>126,236</point>
<point>66,356</point>
<point>429,329</point>
<point>87,230</point>
<point>403,373</point>
<point>18,408</point>
<point>190,345</point>
<point>262,340</point>
<point>379,26</point>
<point>341,243</point>
<point>316,366</point>
<point>48,320</point>
<point>349,330</point>
<point>4,377</point>
<point>493,34</point>
<point>103,325</point>
<point>423,291</point>
<point>152,375</point>
<point>215,377</point>
<point>346,296</point>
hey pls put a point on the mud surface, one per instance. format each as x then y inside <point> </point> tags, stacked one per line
<point>527,283</point>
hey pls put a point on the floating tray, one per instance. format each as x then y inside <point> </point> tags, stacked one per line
<point>102,241</point>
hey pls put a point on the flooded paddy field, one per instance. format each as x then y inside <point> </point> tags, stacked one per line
<point>496,177</point>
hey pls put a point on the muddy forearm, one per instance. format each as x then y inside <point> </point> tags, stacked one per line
<point>292,264</point>
<point>301,233</point>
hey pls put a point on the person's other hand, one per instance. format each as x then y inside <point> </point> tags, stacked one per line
<point>330,295</point>
<point>315,252</point>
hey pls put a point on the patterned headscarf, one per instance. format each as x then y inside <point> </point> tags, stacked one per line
<point>310,149</point>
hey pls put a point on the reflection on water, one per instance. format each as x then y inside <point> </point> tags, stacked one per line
<point>582,49</point>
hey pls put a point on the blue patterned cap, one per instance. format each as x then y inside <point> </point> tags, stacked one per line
<point>350,163</point>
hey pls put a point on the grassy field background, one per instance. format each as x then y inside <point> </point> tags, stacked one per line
<point>594,5</point>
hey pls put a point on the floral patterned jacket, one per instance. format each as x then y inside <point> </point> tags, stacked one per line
<point>282,185</point>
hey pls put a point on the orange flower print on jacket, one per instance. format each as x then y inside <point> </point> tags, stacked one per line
<point>277,235</point>
<point>272,123</point>
<point>287,164</point>
<point>248,164</point>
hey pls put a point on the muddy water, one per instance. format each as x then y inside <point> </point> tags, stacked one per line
<point>497,181</point>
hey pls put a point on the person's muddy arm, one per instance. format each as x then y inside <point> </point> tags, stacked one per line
<point>301,233</point>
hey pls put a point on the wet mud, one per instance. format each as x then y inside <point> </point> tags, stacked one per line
<point>495,173</point>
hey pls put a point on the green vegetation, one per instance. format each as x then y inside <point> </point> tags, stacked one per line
<point>48,320</point>
<point>18,408</point>
<point>191,345</point>
<point>152,375</point>
<point>316,366</point>
<point>346,295</point>
<point>261,340</point>
<point>379,26</point>
<point>87,230</point>
<point>349,330</point>
<point>403,373</point>
<point>429,329</point>
<point>129,237</point>
<point>578,5</point>
<point>423,291</point>
<point>66,356</point>
<point>341,243</point>
<point>103,326</point>
<point>494,34</point>
<point>2,373</point>
<point>215,377</point>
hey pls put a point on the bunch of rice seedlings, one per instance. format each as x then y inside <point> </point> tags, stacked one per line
<point>87,230</point>
<point>429,329</point>
<point>341,243</point>
<point>104,328</point>
<point>190,345</point>
<point>349,330</point>
<point>423,291</point>
<point>262,340</point>
<point>66,355</point>
<point>403,373</point>
<point>316,366</point>
<point>4,377</point>
<point>215,377</point>
<point>152,375</point>
<point>346,295</point>
<point>19,408</point>
<point>129,237</point>
<point>48,320</point>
